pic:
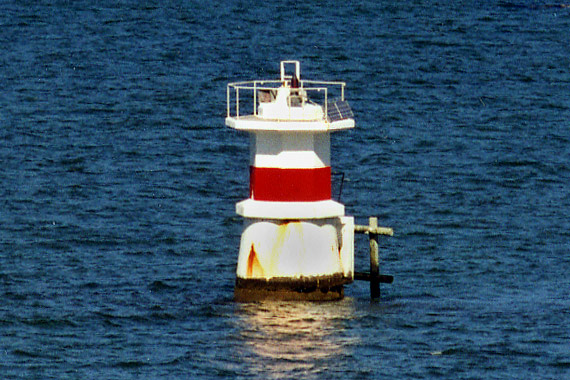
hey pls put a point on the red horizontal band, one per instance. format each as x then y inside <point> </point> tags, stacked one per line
<point>290,185</point>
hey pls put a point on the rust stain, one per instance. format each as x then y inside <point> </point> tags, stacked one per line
<point>254,268</point>
<point>276,250</point>
<point>281,231</point>
<point>284,245</point>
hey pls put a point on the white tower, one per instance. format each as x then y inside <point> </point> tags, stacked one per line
<point>296,244</point>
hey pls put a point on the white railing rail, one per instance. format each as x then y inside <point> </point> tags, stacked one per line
<point>269,85</point>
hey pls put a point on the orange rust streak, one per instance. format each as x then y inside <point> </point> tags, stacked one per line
<point>253,265</point>
<point>280,247</point>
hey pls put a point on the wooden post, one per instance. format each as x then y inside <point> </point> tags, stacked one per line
<point>374,276</point>
<point>374,264</point>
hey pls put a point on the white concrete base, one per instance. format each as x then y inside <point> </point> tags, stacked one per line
<point>296,249</point>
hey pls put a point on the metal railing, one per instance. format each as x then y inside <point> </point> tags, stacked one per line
<point>273,85</point>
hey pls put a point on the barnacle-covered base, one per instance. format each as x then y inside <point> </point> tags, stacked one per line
<point>317,288</point>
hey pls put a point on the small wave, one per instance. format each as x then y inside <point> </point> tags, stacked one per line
<point>129,364</point>
<point>26,353</point>
<point>516,163</point>
<point>49,322</point>
<point>561,364</point>
<point>158,286</point>
<point>448,351</point>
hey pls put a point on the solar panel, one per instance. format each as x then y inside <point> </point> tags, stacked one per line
<point>339,110</point>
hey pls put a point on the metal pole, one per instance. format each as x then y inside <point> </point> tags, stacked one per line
<point>255,98</point>
<point>326,104</point>
<point>228,100</point>
<point>374,264</point>
<point>237,101</point>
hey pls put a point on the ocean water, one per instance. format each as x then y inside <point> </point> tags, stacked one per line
<point>118,180</point>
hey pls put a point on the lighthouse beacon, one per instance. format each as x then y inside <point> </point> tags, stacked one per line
<point>296,244</point>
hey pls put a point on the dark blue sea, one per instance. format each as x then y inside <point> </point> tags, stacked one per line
<point>118,184</point>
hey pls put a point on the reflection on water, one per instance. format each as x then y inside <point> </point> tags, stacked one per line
<point>282,338</point>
